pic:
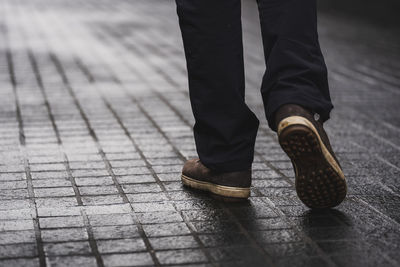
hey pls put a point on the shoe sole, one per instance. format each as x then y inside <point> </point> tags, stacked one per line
<point>220,190</point>
<point>320,182</point>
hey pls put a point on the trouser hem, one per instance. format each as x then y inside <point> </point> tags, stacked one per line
<point>321,106</point>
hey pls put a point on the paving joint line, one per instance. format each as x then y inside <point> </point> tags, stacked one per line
<point>92,241</point>
<point>141,231</point>
<point>33,206</point>
<point>158,181</point>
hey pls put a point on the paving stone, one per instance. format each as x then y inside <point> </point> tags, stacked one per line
<point>159,154</point>
<point>147,197</point>
<point>127,163</point>
<point>131,171</point>
<point>68,248</point>
<point>12,176</point>
<point>49,175</point>
<point>59,211</point>
<point>98,190</point>
<point>205,215</point>
<point>167,177</point>
<point>141,188</point>
<point>61,222</point>
<point>254,212</point>
<point>165,161</point>
<point>15,237</point>
<point>159,217</point>
<point>333,233</point>
<point>13,193</point>
<point>121,245</point>
<point>88,181</point>
<point>54,192</point>
<point>173,242</point>
<point>167,168</point>
<point>199,204</point>
<point>14,204</point>
<point>290,249</point>
<point>238,256</point>
<point>115,232</point>
<point>181,256</point>
<point>18,250</point>
<point>187,195</point>
<point>274,183</point>
<point>13,184</point>
<point>65,234</point>
<point>108,209</point>
<point>71,261</point>
<point>166,229</point>
<point>215,226</point>
<point>173,186</point>
<point>133,259</point>
<point>224,239</point>
<point>152,206</point>
<point>15,225</point>
<point>110,219</point>
<point>48,167</point>
<point>268,174</point>
<point>133,179</point>
<point>89,173</point>
<point>51,183</point>
<point>102,200</point>
<point>19,214</point>
<point>56,202</point>
<point>20,262</point>
<point>276,236</point>
<point>265,224</point>
<point>122,156</point>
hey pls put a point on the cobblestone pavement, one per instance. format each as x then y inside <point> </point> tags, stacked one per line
<point>96,123</point>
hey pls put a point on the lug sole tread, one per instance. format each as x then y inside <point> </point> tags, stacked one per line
<point>318,184</point>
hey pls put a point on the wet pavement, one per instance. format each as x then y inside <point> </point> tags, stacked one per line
<point>96,124</point>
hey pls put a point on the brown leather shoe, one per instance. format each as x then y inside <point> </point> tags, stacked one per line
<point>227,184</point>
<point>320,182</point>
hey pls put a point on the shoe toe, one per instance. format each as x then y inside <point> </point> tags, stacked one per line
<point>189,167</point>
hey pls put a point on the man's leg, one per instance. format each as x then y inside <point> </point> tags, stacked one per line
<point>225,128</point>
<point>294,89</point>
<point>296,71</point>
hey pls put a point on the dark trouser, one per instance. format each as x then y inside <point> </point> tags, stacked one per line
<point>225,128</point>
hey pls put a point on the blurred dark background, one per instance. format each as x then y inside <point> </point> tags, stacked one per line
<point>383,12</point>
